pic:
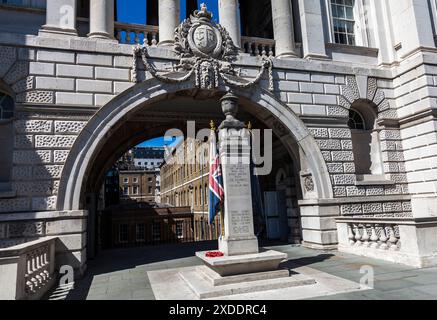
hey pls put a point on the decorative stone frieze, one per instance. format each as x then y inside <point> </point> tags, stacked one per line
<point>37,188</point>
<point>7,58</point>
<point>23,229</point>
<point>69,126</point>
<point>350,209</point>
<point>60,156</point>
<point>33,126</point>
<point>23,141</point>
<point>55,141</point>
<point>19,71</point>
<point>14,205</point>
<point>47,172</point>
<point>319,132</point>
<point>42,204</point>
<point>32,157</point>
<point>24,85</point>
<point>339,133</point>
<point>21,173</point>
<point>36,96</point>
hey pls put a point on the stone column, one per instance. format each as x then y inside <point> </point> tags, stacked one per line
<point>60,19</point>
<point>228,18</point>
<point>101,19</point>
<point>283,29</point>
<point>234,140</point>
<point>313,39</point>
<point>169,14</point>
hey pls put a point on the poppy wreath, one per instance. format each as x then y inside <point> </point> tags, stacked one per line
<point>214,254</point>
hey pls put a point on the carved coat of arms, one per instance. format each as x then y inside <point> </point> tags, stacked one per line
<point>206,52</point>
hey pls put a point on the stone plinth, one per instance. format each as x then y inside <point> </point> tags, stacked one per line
<point>207,285</point>
<point>244,264</point>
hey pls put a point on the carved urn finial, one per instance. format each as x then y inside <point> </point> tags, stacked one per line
<point>229,104</point>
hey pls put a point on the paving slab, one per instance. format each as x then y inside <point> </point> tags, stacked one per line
<point>123,274</point>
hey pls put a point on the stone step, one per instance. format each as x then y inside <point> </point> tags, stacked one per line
<point>217,280</point>
<point>204,289</point>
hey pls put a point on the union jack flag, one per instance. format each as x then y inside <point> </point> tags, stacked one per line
<point>216,191</point>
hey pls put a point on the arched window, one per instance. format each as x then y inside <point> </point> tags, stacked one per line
<point>6,139</point>
<point>365,140</point>
<point>356,120</point>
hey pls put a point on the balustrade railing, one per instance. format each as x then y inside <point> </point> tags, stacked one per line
<point>258,46</point>
<point>127,33</point>
<point>374,235</point>
<point>27,270</point>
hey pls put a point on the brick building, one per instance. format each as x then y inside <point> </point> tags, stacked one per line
<point>138,185</point>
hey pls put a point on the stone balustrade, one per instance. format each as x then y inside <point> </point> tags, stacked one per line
<point>258,46</point>
<point>27,270</point>
<point>390,239</point>
<point>137,34</point>
<point>384,236</point>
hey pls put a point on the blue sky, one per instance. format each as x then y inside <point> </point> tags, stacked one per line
<point>134,11</point>
<point>159,142</point>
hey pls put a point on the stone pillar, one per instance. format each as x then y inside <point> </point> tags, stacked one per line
<point>102,19</point>
<point>313,39</point>
<point>283,28</point>
<point>234,140</point>
<point>60,19</point>
<point>415,34</point>
<point>228,18</point>
<point>169,13</point>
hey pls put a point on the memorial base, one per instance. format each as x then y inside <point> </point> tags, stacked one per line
<point>207,284</point>
<point>244,264</point>
<point>237,247</point>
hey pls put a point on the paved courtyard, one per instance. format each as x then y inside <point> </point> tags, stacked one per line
<point>122,274</point>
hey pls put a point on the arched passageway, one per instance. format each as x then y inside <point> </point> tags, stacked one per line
<point>151,108</point>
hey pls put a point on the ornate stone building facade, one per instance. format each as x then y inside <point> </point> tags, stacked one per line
<point>348,87</point>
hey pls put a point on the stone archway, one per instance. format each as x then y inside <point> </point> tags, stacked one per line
<point>297,139</point>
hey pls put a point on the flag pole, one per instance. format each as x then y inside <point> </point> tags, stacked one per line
<point>222,210</point>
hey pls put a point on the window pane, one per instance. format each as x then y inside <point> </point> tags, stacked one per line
<point>349,13</point>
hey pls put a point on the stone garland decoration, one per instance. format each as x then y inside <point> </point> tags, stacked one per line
<point>206,51</point>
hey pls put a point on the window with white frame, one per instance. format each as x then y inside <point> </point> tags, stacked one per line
<point>343,21</point>
<point>347,23</point>
<point>125,191</point>
<point>125,180</point>
<point>135,190</point>
<point>135,180</point>
<point>180,229</point>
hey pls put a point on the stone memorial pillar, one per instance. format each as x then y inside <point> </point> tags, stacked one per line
<point>238,243</point>
<point>234,142</point>
<point>60,18</point>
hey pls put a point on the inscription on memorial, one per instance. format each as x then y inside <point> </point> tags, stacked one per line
<point>238,179</point>
<point>241,221</point>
